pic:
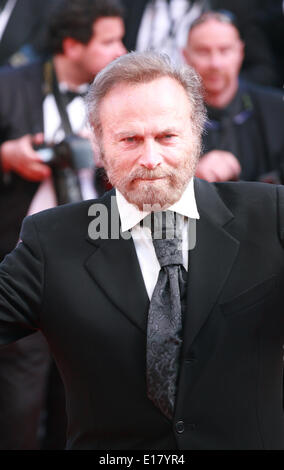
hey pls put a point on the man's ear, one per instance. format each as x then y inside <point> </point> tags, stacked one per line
<point>71,48</point>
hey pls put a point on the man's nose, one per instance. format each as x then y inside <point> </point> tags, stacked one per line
<point>215,60</point>
<point>150,156</point>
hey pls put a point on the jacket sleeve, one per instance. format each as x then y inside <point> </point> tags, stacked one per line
<point>21,287</point>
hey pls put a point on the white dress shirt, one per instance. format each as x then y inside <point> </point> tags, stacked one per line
<point>130,218</point>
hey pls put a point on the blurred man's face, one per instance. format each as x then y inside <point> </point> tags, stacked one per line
<point>104,46</point>
<point>149,147</point>
<point>215,50</point>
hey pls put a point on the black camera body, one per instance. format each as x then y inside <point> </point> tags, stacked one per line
<point>73,152</point>
<point>66,158</point>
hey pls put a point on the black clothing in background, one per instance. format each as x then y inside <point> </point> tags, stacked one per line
<point>261,23</point>
<point>24,36</point>
<point>134,15</point>
<point>251,128</point>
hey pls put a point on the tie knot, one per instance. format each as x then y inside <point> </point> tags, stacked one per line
<point>166,229</point>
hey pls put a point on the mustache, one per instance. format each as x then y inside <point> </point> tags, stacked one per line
<point>144,173</point>
<point>115,177</point>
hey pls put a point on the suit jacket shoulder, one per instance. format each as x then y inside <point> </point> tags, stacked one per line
<point>253,206</point>
<point>268,106</point>
<point>68,221</point>
<point>21,97</point>
<point>269,97</point>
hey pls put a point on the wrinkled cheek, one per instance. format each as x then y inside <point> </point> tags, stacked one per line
<point>117,167</point>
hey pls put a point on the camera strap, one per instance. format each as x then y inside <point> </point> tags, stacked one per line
<point>61,106</point>
<point>65,179</point>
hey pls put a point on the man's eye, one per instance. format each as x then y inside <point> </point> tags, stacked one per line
<point>202,52</point>
<point>127,140</point>
<point>166,137</point>
<point>225,50</point>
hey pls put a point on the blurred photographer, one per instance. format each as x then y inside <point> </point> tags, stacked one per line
<point>41,105</point>
<point>84,36</point>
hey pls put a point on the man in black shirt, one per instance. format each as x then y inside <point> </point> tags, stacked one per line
<point>243,137</point>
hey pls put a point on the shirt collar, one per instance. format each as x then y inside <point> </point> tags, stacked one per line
<point>81,89</point>
<point>130,215</point>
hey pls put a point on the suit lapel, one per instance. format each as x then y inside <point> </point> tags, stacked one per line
<point>115,268</point>
<point>210,262</point>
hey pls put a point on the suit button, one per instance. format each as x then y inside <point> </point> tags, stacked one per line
<point>179,427</point>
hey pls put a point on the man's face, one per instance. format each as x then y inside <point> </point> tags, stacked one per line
<point>215,50</point>
<point>149,148</point>
<point>104,46</point>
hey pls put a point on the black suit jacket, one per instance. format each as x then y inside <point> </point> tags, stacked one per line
<point>21,98</point>
<point>89,299</point>
<point>267,112</point>
<point>26,27</point>
<point>269,109</point>
<point>133,17</point>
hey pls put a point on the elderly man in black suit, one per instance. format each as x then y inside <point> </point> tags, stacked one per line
<point>84,36</point>
<point>159,347</point>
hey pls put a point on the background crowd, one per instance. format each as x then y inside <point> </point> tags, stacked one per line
<point>49,53</point>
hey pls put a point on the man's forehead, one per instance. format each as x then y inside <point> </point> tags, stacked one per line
<point>226,31</point>
<point>103,25</point>
<point>129,110</point>
<point>139,114</point>
<point>159,89</point>
<point>139,128</point>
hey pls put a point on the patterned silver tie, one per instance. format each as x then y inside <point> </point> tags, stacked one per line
<point>164,331</point>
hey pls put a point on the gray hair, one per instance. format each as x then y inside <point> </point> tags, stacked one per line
<point>144,67</point>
